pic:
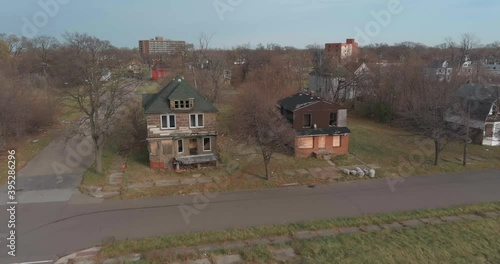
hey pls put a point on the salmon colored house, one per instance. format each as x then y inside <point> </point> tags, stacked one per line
<point>321,126</point>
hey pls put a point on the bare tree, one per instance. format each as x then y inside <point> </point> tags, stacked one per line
<point>259,123</point>
<point>4,52</point>
<point>468,42</point>
<point>98,99</point>
<point>15,43</point>
<point>43,46</point>
<point>426,113</point>
<point>207,68</point>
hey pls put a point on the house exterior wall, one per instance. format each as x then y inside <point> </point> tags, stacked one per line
<point>158,74</point>
<point>337,151</point>
<point>331,88</point>
<point>182,125</point>
<point>162,143</point>
<point>320,113</point>
<point>494,139</point>
<point>163,151</point>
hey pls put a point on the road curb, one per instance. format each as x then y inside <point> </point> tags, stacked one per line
<point>81,255</point>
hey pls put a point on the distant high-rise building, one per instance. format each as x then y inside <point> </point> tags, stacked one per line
<point>341,51</point>
<point>159,45</point>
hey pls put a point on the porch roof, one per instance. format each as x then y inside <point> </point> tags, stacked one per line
<point>195,159</point>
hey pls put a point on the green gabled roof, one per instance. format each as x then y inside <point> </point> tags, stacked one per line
<point>177,89</point>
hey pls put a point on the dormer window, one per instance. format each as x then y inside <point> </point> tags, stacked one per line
<point>494,110</point>
<point>183,104</point>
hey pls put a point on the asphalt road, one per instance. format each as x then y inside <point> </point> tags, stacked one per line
<point>53,229</point>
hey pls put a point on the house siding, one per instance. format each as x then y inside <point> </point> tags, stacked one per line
<point>182,125</point>
<point>164,141</point>
<point>320,113</point>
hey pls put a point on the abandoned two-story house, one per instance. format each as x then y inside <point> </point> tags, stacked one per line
<point>181,127</point>
<point>321,126</point>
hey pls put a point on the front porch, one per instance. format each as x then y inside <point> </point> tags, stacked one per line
<point>198,161</point>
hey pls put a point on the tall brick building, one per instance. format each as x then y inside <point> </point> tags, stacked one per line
<point>342,51</point>
<point>159,45</point>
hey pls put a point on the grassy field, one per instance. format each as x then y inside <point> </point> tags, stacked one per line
<point>467,242</point>
<point>149,87</point>
<point>241,169</point>
<point>440,243</point>
<point>396,150</point>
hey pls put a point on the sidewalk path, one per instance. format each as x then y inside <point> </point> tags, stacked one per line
<point>48,230</point>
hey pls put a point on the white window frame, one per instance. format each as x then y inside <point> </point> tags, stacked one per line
<point>168,122</point>
<point>197,121</point>
<point>210,141</point>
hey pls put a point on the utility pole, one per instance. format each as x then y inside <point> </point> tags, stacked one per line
<point>467,129</point>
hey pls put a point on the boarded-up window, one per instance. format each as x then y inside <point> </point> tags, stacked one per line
<point>336,141</point>
<point>489,130</point>
<point>305,143</point>
<point>153,148</point>
<point>321,142</point>
<point>167,147</point>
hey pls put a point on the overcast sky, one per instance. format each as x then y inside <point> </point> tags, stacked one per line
<point>233,22</point>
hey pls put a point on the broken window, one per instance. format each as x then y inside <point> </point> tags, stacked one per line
<point>489,130</point>
<point>333,119</point>
<point>494,110</point>
<point>180,146</point>
<point>307,120</point>
<point>168,121</point>
<point>183,104</point>
<point>207,146</point>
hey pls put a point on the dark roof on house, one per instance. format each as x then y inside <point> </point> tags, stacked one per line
<point>323,131</point>
<point>297,101</point>
<point>481,98</point>
<point>177,89</point>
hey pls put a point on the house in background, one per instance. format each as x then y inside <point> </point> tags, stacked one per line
<point>135,68</point>
<point>343,84</point>
<point>181,127</point>
<point>321,126</point>
<point>484,116</point>
<point>159,70</point>
<point>441,70</point>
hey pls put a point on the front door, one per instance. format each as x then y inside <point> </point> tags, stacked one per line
<point>322,143</point>
<point>193,146</point>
